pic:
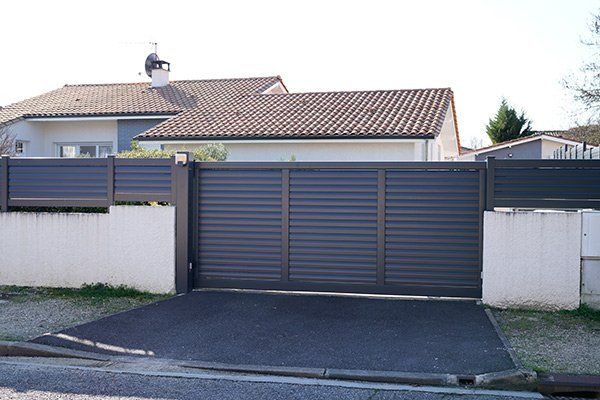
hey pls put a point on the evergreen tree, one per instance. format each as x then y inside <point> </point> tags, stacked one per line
<point>507,124</point>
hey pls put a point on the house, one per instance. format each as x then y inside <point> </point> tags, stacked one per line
<point>257,119</point>
<point>541,144</point>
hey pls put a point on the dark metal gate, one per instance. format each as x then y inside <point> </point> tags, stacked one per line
<point>411,228</point>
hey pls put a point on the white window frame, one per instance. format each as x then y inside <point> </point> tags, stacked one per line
<point>24,145</point>
<point>78,146</point>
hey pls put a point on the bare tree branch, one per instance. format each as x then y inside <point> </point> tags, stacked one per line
<point>586,85</point>
<point>7,142</point>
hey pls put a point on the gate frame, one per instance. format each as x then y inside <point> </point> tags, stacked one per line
<point>191,276</point>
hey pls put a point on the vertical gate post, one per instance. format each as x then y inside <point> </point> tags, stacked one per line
<point>381,226</point>
<point>4,184</point>
<point>481,210</point>
<point>183,267</point>
<point>285,225</point>
<point>110,180</point>
<point>491,174</point>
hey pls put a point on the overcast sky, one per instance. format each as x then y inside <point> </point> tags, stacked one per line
<point>483,50</point>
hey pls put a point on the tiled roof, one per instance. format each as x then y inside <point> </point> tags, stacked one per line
<point>393,113</point>
<point>237,108</point>
<point>133,98</point>
<point>589,134</point>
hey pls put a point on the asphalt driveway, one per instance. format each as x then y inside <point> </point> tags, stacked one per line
<point>301,331</point>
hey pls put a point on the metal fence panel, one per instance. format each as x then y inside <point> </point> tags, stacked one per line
<point>143,179</point>
<point>546,183</point>
<point>51,182</point>
<point>432,230</point>
<point>84,182</point>
<point>239,224</point>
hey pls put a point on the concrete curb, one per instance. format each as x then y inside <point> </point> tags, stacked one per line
<point>512,379</point>
<point>517,379</point>
<point>256,369</point>
<point>550,383</point>
<point>413,378</point>
<point>26,349</point>
<point>511,352</point>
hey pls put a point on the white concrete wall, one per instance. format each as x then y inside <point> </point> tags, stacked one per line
<point>590,259</point>
<point>357,150</point>
<point>131,245</point>
<point>43,136</point>
<point>532,259</point>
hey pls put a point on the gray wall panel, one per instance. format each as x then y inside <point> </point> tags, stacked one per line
<point>127,129</point>
<point>528,150</point>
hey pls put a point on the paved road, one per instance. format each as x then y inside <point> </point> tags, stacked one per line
<point>47,383</point>
<point>302,331</point>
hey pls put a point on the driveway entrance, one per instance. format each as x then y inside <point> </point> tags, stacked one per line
<point>301,331</point>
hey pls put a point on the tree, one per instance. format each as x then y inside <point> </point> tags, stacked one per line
<point>507,124</point>
<point>586,86</point>
<point>207,152</point>
<point>7,142</point>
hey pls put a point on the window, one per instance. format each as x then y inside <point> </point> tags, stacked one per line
<point>71,150</point>
<point>20,148</point>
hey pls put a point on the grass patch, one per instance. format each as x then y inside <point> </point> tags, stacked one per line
<point>563,341</point>
<point>9,338</point>
<point>584,311</point>
<point>96,291</point>
<point>99,291</point>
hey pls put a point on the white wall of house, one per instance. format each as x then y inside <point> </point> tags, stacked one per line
<point>322,150</point>
<point>446,143</point>
<point>532,259</point>
<point>131,245</point>
<point>42,137</point>
<point>78,132</point>
<point>549,146</point>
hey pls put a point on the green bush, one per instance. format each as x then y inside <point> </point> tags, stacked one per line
<point>207,152</point>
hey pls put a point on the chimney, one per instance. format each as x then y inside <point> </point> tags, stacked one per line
<point>160,75</point>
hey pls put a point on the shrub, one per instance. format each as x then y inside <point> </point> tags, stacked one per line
<point>507,124</point>
<point>207,152</point>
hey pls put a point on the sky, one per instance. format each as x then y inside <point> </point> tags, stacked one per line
<point>484,50</point>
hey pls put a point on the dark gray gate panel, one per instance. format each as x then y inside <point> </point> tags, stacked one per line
<point>365,228</point>
<point>239,222</point>
<point>432,231</point>
<point>333,226</point>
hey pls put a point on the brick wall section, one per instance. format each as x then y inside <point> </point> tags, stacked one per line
<point>128,128</point>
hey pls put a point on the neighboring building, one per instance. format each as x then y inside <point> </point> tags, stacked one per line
<point>541,144</point>
<point>257,119</point>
